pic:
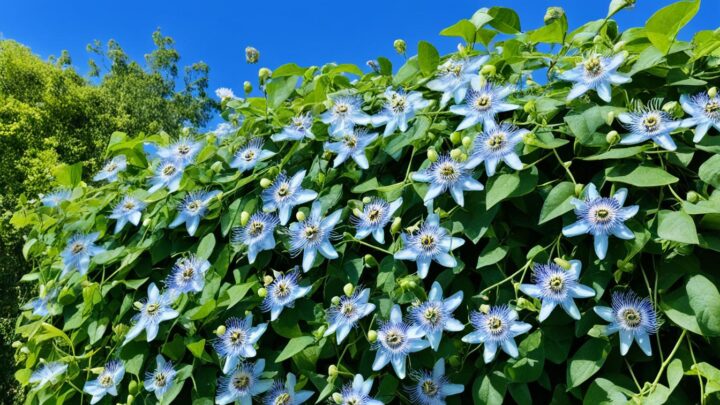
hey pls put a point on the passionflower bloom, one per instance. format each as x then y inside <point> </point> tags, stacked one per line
<point>634,318</point>
<point>238,341</point>
<point>649,123</point>
<point>242,384</point>
<point>153,310</point>
<point>192,209</point>
<point>285,193</point>
<point>313,235</point>
<point>435,315</point>
<point>497,143</point>
<point>167,174</point>
<point>343,317</point>
<point>249,155</point>
<point>554,285</point>
<point>601,217</point>
<point>498,327</point>
<point>358,393</point>
<point>47,374</point>
<point>188,275</point>
<point>56,197</point>
<point>595,73</point>
<point>257,234</point>
<point>375,216</point>
<point>453,78</point>
<point>41,305</point>
<point>346,112</point>
<point>448,174</point>
<point>431,388</point>
<point>224,93</point>
<point>483,102</point>
<point>79,251</point>
<point>112,168</point>
<point>223,131</point>
<point>129,209</point>
<point>182,151</point>
<point>395,341</point>
<point>399,108</point>
<point>705,111</point>
<point>106,382</point>
<point>162,379</point>
<point>430,243</point>
<point>283,292</point>
<point>299,129</point>
<point>351,144</point>
<point>284,394</point>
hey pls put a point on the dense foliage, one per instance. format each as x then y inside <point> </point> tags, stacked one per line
<point>354,226</point>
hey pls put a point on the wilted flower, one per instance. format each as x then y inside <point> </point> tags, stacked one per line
<point>595,73</point>
<point>56,197</point>
<point>224,93</point>
<point>352,144</point>
<point>343,317</point>
<point>454,75</point>
<point>192,209</point>
<point>705,111</point>
<point>155,309</point>
<point>497,143</point>
<point>375,216</point>
<point>252,55</point>
<point>284,394</point>
<point>430,243</point>
<point>345,113</point>
<point>238,341</point>
<point>358,393</point>
<point>257,234</point>
<point>249,155</point>
<point>395,341</point>
<point>649,123</point>
<point>78,252</point>
<point>313,235</point>
<point>111,169</point>
<point>284,194</point>
<point>498,327</point>
<point>243,384</point>
<point>106,382</point>
<point>167,174</point>
<point>633,317</point>
<point>449,174</point>
<point>399,109</point>
<point>48,373</point>
<point>435,315</point>
<point>432,387</point>
<point>554,285</point>
<point>160,380</point>
<point>188,275</point>
<point>129,209</point>
<point>483,102</point>
<point>299,129</point>
<point>282,293</point>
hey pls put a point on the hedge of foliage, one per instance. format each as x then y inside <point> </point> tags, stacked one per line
<point>533,219</point>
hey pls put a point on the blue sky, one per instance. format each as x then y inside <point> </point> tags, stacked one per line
<point>304,32</point>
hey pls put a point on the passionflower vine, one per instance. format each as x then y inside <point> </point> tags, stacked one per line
<point>554,285</point>
<point>343,317</point>
<point>283,292</point>
<point>399,108</point>
<point>111,169</point>
<point>285,394</point>
<point>238,341</point>
<point>446,174</point>
<point>634,318</point>
<point>257,234</point>
<point>47,374</point>
<point>299,128</point>
<point>601,217</point>
<point>160,380</point>
<point>430,243</point>
<point>431,388</point>
<point>243,384</point>
<point>79,251</point>
<point>454,76</point>
<point>496,328</point>
<point>497,143</point>
<point>346,112</point>
<point>188,275</point>
<point>483,101</point>
<point>351,144</point>
<point>596,73</point>
<point>395,341</point>
<point>649,123</point>
<point>192,210</point>
<point>54,198</point>
<point>167,174</point>
<point>106,382</point>
<point>435,315</point>
<point>248,156</point>
<point>313,235</point>
<point>285,193</point>
<point>129,209</point>
<point>358,393</point>
<point>153,310</point>
<point>375,216</point>
<point>705,112</point>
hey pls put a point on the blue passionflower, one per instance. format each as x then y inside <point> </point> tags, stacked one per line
<point>498,327</point>
<point>395,341</point>
<point>433,387</point>
<point>111,169</point>
<point>155,309</point>
<point>285,193</point>
<point>257,234</point>
<point>430,243</point>
<point>454,76</point>
<point>192,209</point>
<point>224,93</point>
<point>299,129</point>
<point>448,174</point>
<point>483,102</point>
<point>553,286</point>
<point>633,317</point>
<point>352,144</point>
<point>249,155</point>
<point>56,197</point>
<point>224,130</point>
<point>358,393</point>
<point>497,143</point>
<point>129,209</point>
<point>106,382</point>
<point>343,317</point>
<point>649,123</point>
<point>283,292</point>
<point>167,174</point>
<point>244,383</point>
<point>346,112</point>
<point>313,235</point>
<point>284,394</point>
<point>399,108</point>
<point>238,341</point>
<point>41,305</point>
<point>182,151</point>
<point>162,379</point>
<point>47,374</point>
<point>188,275</point>
<point>601,217</point>
<point>595,73</point>
<point>705,111</point>
<point>79,251</point>
<point>375,216</point>
<point>436,315</point>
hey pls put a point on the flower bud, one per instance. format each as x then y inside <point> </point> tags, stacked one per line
<point>262,292</point>
<point>610,117</point>
<point>264,74</point>
<point>552,14</point>
<point>372,336</point>
<point>618,46</point>
<point>485,308</point>
<point>267,280</point>
<point>467,141</point>
<point>370,260</point>
<point>247,86</point>
<point>367,200</point>
<point>265,183</point>
<point>597,39</point>
<point>455,138</point>
<point>670,106</point>
<point>348,289</point>
<point>97,370</point>
<point>138,305</point>
<point>562,263</point>
<point>244,218</point>
<point>530,138</point>
<point>461,49</point>
<point>217,167</point>
<point>16,344</point>
<point>335,300</point>
<point>463,157</point>
<point>529,107</point>
<point>629,267</point>
<point>146,222</point>
<point>333,370</point>
<point>133,387</point>
<point>455,154</point>
<point>400,46</point>
<point>337,397</point>
<point>357,212</point>
<point>612,137</point>
<point>712,92</point>
<point>692,197</point>
<point>530,82</point>
<point>300,216</point>
<point>220,330</point>
<point>252,55</point>
<point>567,164</point>
<point>454,361</point>
<point>130,399</point>
<point>488,70</point>
<point>396,225</point>
<point>578,189</point>
<point>432,155</point>
<point>24,350</point>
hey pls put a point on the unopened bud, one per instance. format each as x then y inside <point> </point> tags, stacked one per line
<point>335,300</point>
<point>370,260</point>
<point>373,65</point>
<point>367,200</point>
<point>267,280</point>
<point>455,154</point>
<point>461,49</point>
<point>530,82</point>
<point>265,183</point>
<point>692,197</point>
<point>300,216</point>
<point>130,400</point>
<point>552,14</point>
<point>454,361</point>
<point>244,218</point>
<point>138,305</point>
<point>618,46</point>
<point>372,336</point>
<point>400,46</point>
<point>262,292</point>
<point>338,398</point>
<point>485,308</point>
<point>455,138</point>
<point>348,289</point>
<point>597,39</point>
<point>669,106</point>
<point>16,344</point>
<point>567,164</point>
<point>264,74</point>
<point>24,350</point>
<point>488,70</point>
<point>97,370</point>
<point>432,155</point>
<point>562,263</point>
<point>529,107</point>
<point>220,330</point>
<point>357,212</point>
<point>216,167</point>
<point>252,55</point>
<point>396,225</point>
<point>333,370</point>
<point>578,189</point>
<point>133,387</point>
<point>712,92</point>
<point>612,137</point>
<point>466,141</point>
<point>610,117</point>
<point>146,222</point>
<point>247,86</point>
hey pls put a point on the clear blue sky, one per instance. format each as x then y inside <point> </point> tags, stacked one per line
<point>304,32</point>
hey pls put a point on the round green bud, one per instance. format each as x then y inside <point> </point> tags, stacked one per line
<point>612,137</point>
<point>220,330</point>
<point>432,155</point>
<point>262,292</point>
<point>629,267</point>
<point>488,70</point>
<point>618,46</point>
<point>367,200</point>
<point>712,92</point>
<point>133,387</point>
<point>300,216</point>
<point>333,370</point>
<point>264,74</point>
<point>138,305</point>
<point>552,14</point>
<point>400,46</point>
<point>454,361</point>
<point>467,141</point>
<point>265,183</point>
<point>247,86</point>
<point>267,280</point>
<point>146,222</point>
<point>335,300</point>
<point>529,107</point>
<point>244,218</point>
<point>216,167</point>
<point>16,344</point>
<point>463,157</point>
<point>370,260</point>
<point>484,308</point>
<point>337,397</point>
<point>357,212</point>
<point>396,225</point>
<point>455,154</point>
<point>348,289</point>
<point>210,138</point>
<point>455,138</point>
<point>670,106</point>
<point>578,189</point>
<point>252,55</point>
<point>130,399</point>
<point>610,117</point>
<point>567,164</point>
<point>562,263</point>
<point>692,197</point>
<point>372,336</point>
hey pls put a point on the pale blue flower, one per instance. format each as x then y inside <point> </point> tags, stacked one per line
<point>129,209</point>
<point>497,143</point>
<point>285,193</point>
<point>649,123</point>
<point>705,111</point>
<point>224,130</point>
<point>446,174</point>
<point>111,169</point>
<point>601,217</point>
<point>430,243</point>
<point>633,317</point>
<point>358,393</point>
<point>595,73</point>
<point>454,76</point>
<point>433,387</point>
<point>300,128</point>
<point>188,275</point>
<point>224,93</point>
<point>248,156</point>
<point>162,379</point>
<point>436,315</point>
<point>192,209</point>
<point>351,144</point>
<point>284,394</point>
<point>155,309</point>
<point>79,251</point>
<point>313,235</point>
<point>244,383</point>
<point>283,292</point>
<point>167,174</point>
<point>41,305</point>
<point>554,285</point>
<point>257,234</point>
<point>399,108</point>
<point>106,382</point>
<point>343,317</point>
<point>498,327</point>
<point>483,102</point>
<point>346,112</point>
<point>182,151</point>
<point>56,197</point>
<point>47,374</point>
<point>375,216</point>
<point>395,341</point>
<point>238,341</point>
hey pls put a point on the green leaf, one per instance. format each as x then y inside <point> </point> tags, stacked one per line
<point>428,58</point>
<point>640,175</point>
<point>491,255</point>
<point>704,300</point>
<point>279,89</point>
<point>557,202</point>
<point>346,68</point>
<point>505,20</point>
<point>709,171</point>
<point>510,185</point>
<point>620,153</point>
<point>68,175</point>
<point>663,26</point>
<point>289,69</point>
<point>584,126</point>
<point>587,361</point>
<point>406,72</point>
<point>677,226</point>
<point>552,33</point>
<point>206,246</point>
<point>617,5</point>
<point>529,365</point>
<point>197,348</point>
<point>605,392</point>
<point>674,373</point>
<point>463,29</point>
<point>202,311</point>
<point>294,346</point>
<point>492,389</point>
<point>237,292</point>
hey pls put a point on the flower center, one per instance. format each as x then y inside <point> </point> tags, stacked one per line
<point>188,273</point>
<point>160,379</point>
<point>455,69</point>
<point>603,215</point>
<point>106,380</point>
<point>282,399</point>
<point>347,309</point>
<point>427,241</point>
<point>169,170</point>
<point>77,248</point>
<point>283,190</point>
<point>237,337</point>
<point>651,123</point>
<point>241,381</point>
<point>350,141</point>
<point>394,339</point>
<point>256,228</point>
<point>282,290</point>
<point>183,149</point>
<point>152,309</point>
<point>249,155</point>
<point>353,401</point>
<point>374,215</point>
<point>129,205</point>
<point>712,109</point>
<point>194,205</point>
<point>556,283</point>
<point>631,317</point>
<point>111,167</point>
<point>432,315</point>
<point>495,325</point>
<point>298,124</point>
<point>429,388</point>
<point>342,109</point>
<point>448,171</point>
<point>496,141</point>
<point>593,66</point>
<point>483,102</point>
<point>398,103</point>
<point>311,232</point>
